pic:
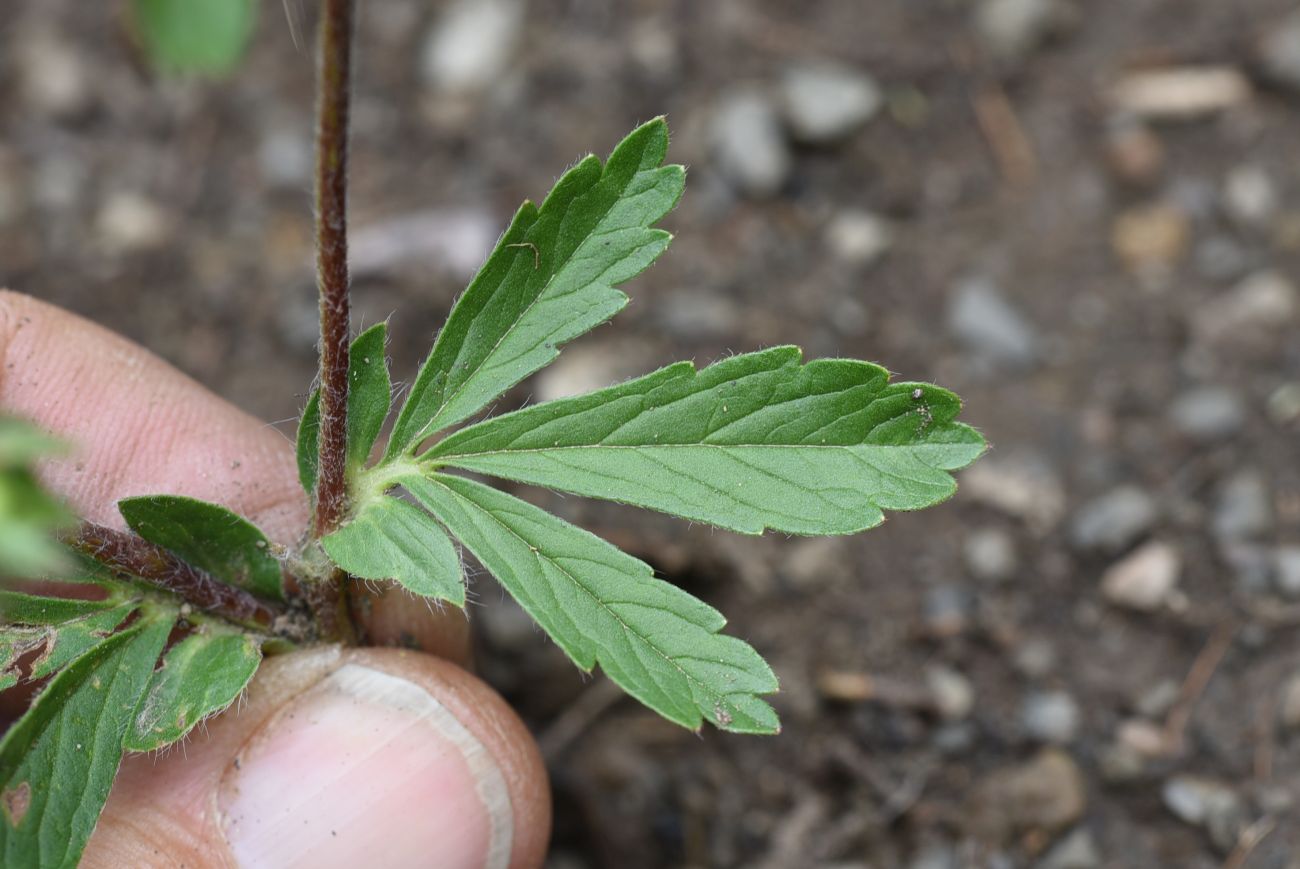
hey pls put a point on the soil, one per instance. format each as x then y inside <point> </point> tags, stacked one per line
<point>179,213</point>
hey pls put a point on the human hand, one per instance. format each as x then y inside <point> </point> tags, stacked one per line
<point>334,757</point>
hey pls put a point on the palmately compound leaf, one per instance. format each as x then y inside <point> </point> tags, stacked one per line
<point>752,442</point>
<point>551,278</point>
<point>202,36</point>
<point>391,539</point>
<point>210,537</point>
<point>605,607</point>
<point>58,761</point>
<point>200,676</point>
<point>370,395</point>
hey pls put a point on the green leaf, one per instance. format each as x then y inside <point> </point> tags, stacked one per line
<point>308,447</point>
<point>369,398</point>
<point>369,392</point>
<point>22,443</point>
<point>603,606</point>
<point>550,279</point>
<point>30,609</point>
<point>210,537</point>
<point>200,676</point>
<point>58,761</point>
<point>753,442</point>
<point>391,539</point>
<point>200,36</point>
<point>67,642</point>
<point>28,514</point>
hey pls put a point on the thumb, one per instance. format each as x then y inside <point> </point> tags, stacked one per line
<point>339,758</point>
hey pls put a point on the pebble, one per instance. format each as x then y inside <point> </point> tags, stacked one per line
<point>1286,571</point>
<point>471,44</point>
<point>588,367</point>
<point>947,610</point>
<point>1019,483</point>
<point>1279,52</point>
<point>1244,507</point>
<point>1208,804</point>
<point>53,77</point>
<point>1157,700</point>
<point>816,562</point>
<point>1051,716</point>
<point>936,855</point>
<point>1012,29</point>
<point>1135,154</point>
<point>1145,579</point>
<point>859,237</point>
<point>1035,658</point>
<point>1283,404</point>
<point>457,239</point>
<point>1044,795</point>
<point>1250,196</point>
<point>1151,236</point>
<point>128,222</point>
<point>749,143</point>
<point>285,158</point>
<point>990,555</point>
<point>1289,705</point>
<point>987,325</point>
<point>1208,413</point>
<point>1260,305</point>
<point>1180,93</point>
<point>826,102</point>
<point>1112,522</point>
<point>1078,850</point>
<point>693,316</point>
<point>952,693</point>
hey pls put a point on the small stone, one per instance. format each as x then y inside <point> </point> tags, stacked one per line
<point>1045,795</point>
<point>692,316</point>
<point>936,855</point>
<point>1012,29</point>
<point>1119,763</point>
<point>128,222</point>
<point>749,143</point>
<point>588,367</point>
<point>1244,507</point>
<point>947,610</point>
<point>1279,52</point>
<point>1208,413</point>
<point>1145,579</point>
<point>858,237</point>
<point>1020,484</point>
<point>1180,93</point>
<point>1284,403</point>
<point>1157,700</point>
<point>825,102</point>
<point>1252,566</point>
<point>471,44</point>
<point>1051,716</point>
<point>1078,850</point>
<point>952,693</point>
<point>815,562</point>
<point>285,158</point>
<point>1250,196</point>
<point>1261,305</point>
<point>1286,571</point>
<point>987,325</point>
<point>1035,658</point>
<point>1208,804</point>
<point>506,626</point>
<point>53,76</point>
<point>1146,739</point>
<point>1114,521</point>
<point>1289,705</point>
<point>1151,237</point>
<point>990,555</point>
<point>1135,154</point>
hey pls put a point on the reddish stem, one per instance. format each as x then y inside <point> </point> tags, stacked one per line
<point>332,258</point>
<point>153,564</point>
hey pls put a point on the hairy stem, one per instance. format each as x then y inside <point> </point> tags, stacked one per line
<point>138,557</point>
<point>334,92</point>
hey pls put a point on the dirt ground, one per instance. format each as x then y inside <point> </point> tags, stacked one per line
<point>1106,284</point>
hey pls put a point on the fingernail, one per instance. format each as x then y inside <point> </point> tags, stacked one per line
<point>366,769</point>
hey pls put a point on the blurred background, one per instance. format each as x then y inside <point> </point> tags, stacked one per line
<point>1082,215</point>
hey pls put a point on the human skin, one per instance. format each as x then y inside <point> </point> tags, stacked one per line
<point>334,757</point>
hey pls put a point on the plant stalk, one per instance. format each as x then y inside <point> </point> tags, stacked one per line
<point>334,94</point>
<point>128,553</point>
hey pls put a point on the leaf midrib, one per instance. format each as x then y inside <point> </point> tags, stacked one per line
<point>710,692</point>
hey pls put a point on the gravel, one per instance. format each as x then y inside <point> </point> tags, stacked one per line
<point>1051,716</point>
<point>471,44</point>
<point>1114,521</point>
<point>982,320</point>
<point>749,143</point>
<point>1243,509</point>
<point>1208,804</point>
<point>826,102</point>
<point>990,555</point>
<point>1145,579</point>
<point>1208,413</point>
